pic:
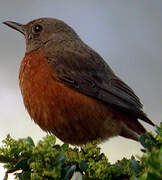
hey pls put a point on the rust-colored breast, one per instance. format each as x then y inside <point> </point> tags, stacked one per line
<point>70,115</point>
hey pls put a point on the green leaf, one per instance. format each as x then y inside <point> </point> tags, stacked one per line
<point>135,167</point>
<point>4,159</point>
<point>15,151</point>
<point>65,147</point>
<point>70,172</point>
<point>147,141</point>
<point>83,165</point>
<point>157,130</point>
<point>22,164</point>
<point>30,141</point>
<point>152,176</point>
<point>61,158</point>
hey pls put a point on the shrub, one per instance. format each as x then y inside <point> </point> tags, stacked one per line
<point>50,161</point>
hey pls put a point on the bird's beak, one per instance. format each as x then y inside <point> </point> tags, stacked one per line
<point>17,26</point>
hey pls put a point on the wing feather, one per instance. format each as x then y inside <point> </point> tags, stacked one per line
<point>88,73</point>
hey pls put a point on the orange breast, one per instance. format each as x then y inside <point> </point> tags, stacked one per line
<point>70,115</point>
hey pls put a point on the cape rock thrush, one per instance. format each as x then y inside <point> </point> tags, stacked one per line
<point>70,91</point>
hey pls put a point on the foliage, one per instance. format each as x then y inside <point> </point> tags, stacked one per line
<point>50,161</point>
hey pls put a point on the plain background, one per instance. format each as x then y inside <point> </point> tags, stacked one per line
<point>127,33</point>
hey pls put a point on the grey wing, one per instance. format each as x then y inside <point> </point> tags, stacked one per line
<point>99,82</point>
<point>113,92</point>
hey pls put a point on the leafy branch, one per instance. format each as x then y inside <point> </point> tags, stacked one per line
<point>50,161</point>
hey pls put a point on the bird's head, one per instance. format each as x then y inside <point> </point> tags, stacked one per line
<point>40,31</point>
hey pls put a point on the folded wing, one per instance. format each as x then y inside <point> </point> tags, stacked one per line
<point>93,77</point>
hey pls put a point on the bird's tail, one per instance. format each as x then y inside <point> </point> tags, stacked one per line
<point>132,129</point>
<point>144,117</point>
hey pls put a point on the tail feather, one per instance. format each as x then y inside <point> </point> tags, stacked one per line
<point>136,126</point>
<point>132,129</point>
<point>144,117</point>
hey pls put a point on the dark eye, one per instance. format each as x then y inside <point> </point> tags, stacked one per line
<point>37,28</point>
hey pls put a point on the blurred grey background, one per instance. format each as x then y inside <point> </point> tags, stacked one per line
<point>127,33</point>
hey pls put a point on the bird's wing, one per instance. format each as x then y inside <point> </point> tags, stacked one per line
<point>93,77</point>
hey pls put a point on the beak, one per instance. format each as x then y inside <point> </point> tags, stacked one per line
<point>16,26</point>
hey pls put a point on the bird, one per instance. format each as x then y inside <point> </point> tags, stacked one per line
<point>70,91</point>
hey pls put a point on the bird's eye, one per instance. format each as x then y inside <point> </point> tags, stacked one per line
<point>37,28</point>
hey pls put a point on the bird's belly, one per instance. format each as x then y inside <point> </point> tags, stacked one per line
<point>70,115</point>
